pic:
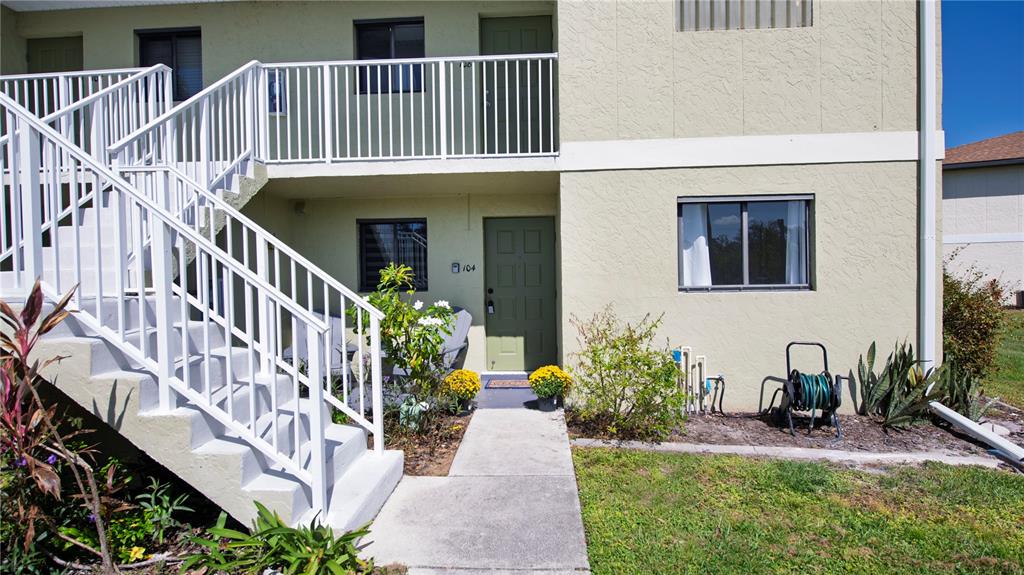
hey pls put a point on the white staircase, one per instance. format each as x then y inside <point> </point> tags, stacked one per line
<point>184,313</point>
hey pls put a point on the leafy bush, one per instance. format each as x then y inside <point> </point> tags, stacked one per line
<point>272,544</point>
<point>972,321</point>
<point>160,507</point>
<point>624,384</point>
<point>550,381</point>
<point>461,384</point>
<point>963,392</point>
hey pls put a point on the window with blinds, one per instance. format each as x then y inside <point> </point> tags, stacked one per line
<point>383,242</point>
<point>704,15</point>
<point>182,51</point>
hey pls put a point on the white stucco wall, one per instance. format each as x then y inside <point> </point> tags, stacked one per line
<point>981,205</point>
<point>619,246</point>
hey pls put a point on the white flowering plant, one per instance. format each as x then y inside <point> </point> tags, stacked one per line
<point>412,333</point>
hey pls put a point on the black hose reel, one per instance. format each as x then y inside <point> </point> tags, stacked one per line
<point>817,393</point>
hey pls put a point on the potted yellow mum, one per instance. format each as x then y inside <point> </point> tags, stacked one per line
<point>461,386</point>
<point>549,383</point>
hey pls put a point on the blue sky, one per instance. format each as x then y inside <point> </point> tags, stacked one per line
<point>982,69</point>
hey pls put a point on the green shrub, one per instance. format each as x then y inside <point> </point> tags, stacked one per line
<point>624,384</point>
<point>272,544</point>
<point>972,321</point>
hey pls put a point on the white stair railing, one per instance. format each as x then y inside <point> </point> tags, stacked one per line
<point>93,121</point>
<point>353,324</point>
<point>208,137</point>
<point>44,94</point>
<point>187,311</point>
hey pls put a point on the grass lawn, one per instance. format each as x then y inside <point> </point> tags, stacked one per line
<point>676,513</point>
<point>1008,380</point>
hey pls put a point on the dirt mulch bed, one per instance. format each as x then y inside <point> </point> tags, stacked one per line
<point>431,453</point>
<point>859,434</point>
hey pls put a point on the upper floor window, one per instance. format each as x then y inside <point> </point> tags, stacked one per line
<point>390,40</point>
<point>382,242</point>
<point>700,15</point>
<point>737,243</point>
<point>182,51</point>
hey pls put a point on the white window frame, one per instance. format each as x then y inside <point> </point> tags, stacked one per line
<point>808,200</point>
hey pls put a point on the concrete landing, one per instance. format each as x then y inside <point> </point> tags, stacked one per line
<point>509,504</point>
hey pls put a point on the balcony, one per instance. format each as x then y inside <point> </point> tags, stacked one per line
<point>430,109</point>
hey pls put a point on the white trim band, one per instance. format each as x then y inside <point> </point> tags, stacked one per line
<point>849,147</point>
<point>1005,238</point>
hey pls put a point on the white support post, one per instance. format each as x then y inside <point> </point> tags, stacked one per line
<point>443,101</point>
<point>267,339</point>
<point>328,115</point>
<point>204,143</point>
<point>248,96</point>
<point>375,387</point>
<point>31,202</point>
<point>162,257</point>
<point>317,421</point>
<point>97,131</point>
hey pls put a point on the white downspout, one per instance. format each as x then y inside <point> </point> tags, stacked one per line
<point>928,262</point>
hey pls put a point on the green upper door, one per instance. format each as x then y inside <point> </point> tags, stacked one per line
<point>54,54</point>
<point>519,276</point>
<point>511,93</point>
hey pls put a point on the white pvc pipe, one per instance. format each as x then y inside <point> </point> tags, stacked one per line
<point>1010,449</point>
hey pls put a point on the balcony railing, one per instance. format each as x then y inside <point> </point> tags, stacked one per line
<point>426,108</point>
<point>44,94</point>
<point>481,106</point>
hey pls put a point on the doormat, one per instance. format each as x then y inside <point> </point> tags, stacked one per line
<point>508,384</point>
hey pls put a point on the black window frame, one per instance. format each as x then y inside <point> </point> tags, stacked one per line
<point>744,201</point>
<point>173,34</point>
<point>364,85</point>
<point>367,280</point>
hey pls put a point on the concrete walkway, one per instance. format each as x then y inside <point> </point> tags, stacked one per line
<point>508,505</point>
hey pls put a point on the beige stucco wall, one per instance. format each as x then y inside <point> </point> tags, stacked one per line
<point>454,207</point>
<point>12,44</point>
<point>237,32</point>
<point>986,201</point>
<point>619,246</point>
<point>626,72</point>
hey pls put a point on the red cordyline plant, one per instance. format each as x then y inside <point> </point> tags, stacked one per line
<point>28,434</point>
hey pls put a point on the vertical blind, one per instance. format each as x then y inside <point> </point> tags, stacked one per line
<point>182,51</point>
<point>703,15</point>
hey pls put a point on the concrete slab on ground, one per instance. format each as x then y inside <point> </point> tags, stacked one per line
<point>511,442</point>
<point>461,524</point>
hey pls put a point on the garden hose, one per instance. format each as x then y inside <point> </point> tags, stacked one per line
<point>814,393</point>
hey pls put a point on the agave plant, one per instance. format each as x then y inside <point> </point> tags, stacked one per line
<point>901,391</point>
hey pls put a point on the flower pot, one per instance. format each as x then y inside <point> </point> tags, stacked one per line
<point>465,406</point>
<point>546,403</point>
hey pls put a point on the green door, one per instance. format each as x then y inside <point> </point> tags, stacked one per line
<point>514,94</point>
<point>519,277</point>
<point>54,54</point>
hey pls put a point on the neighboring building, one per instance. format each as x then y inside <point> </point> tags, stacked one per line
<point>983,210</point>
<point>757,171</point>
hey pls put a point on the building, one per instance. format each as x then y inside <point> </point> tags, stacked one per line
<point>983,210</point>
<point>759,172</point>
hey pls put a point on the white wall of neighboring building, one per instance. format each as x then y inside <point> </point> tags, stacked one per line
<point>983,222</point>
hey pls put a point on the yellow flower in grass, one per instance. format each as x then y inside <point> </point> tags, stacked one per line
<point>549,381</point>
<point>462,384</point>
<point>137,554</point>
